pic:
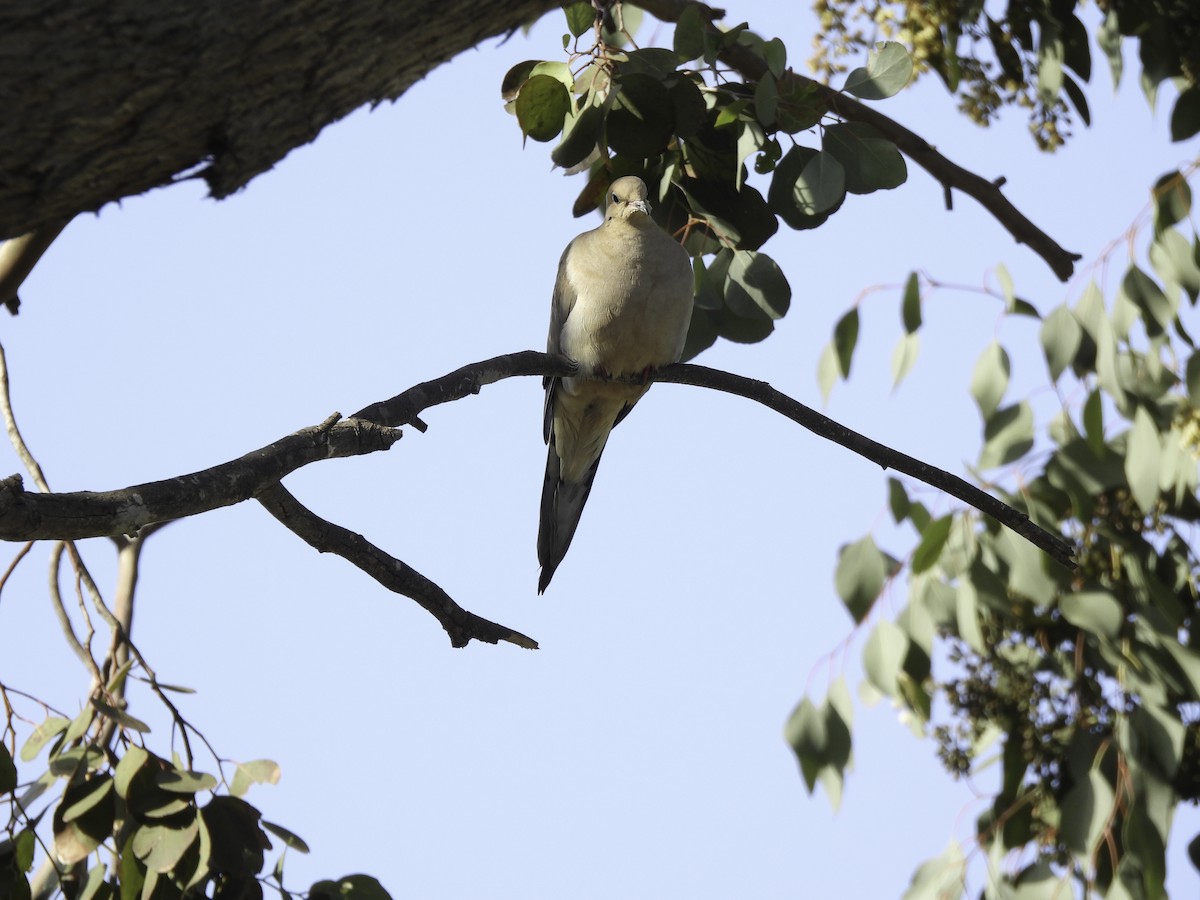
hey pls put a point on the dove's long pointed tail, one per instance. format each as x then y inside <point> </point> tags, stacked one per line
<point>562,505</point>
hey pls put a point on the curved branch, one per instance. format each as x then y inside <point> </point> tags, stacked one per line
<point>28,516</point>
<point>25,516</point>
<point>393,574</point>
<point>1057,547</point>
<point>948,173</point>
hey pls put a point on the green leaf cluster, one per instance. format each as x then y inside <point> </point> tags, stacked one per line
<point>698,140</point>
<point>127,824</point>
<point>1083,685</point>
<point>1025,54</point>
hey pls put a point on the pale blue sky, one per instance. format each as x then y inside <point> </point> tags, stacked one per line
<point>639,752</point>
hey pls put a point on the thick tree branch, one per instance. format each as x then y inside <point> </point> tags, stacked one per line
<point>25,516</point>
<point>393,574</point>
<point>950,174</point>
<point>133,94</point>
<point>82,514</point>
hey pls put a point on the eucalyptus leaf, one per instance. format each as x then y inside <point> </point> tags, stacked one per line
<point>904,356</point>
<point>1061,335</point>
<point>871,161</point>
<point>1097,612</point>
<point>821,185</point>
<point>1143,455</point>
<point>1008,435</point>
<point>910,306</point>
<point>859,576</point>
<point>845,338</point>
<point>883,656</point>
<point>989,380</point>
<point>542,106</point>
<point>889,68</point>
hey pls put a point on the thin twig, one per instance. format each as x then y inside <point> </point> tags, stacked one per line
<point>12,566</point>
<point>14,433</point>
<point>64,620</point>
<point>325,537</point>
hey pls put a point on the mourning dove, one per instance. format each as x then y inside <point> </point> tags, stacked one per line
<point>622,305</point>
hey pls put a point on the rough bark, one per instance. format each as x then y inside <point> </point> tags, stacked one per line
<point>105,99</point>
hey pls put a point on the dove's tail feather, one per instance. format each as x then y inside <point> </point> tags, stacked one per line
<point>562,505</point>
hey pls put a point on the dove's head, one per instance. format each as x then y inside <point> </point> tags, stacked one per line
<point>627,199</point>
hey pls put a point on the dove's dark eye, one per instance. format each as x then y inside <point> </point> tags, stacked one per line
<point>615,198</point>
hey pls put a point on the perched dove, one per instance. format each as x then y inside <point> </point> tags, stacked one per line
<point>622,305</point>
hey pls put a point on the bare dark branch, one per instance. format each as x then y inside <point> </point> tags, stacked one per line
<point>1054,545</point>
<point>950,174</point>
<point>28,516</point>
<point>393,574</point>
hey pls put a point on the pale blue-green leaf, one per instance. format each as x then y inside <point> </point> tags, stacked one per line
<point>1093,422</point>
<point>859,576</point>
<point>904,356</point>
<point>845,338</point>
<point>1050,68</point>
<point>766,101</point>
<point>542,107</point>
<point>1006,286</point>
<point>1158,736</point>
<point>289,838</point>
<point>871,161</point>
<point>1110,39</point>
<point>1192,377</point>
<point>910,307</point>
<point>94,793</point>
<point>888,70</point>
<point>1027,568</point>
<point>1097,612</point>
<point>941,878</point>
<point>1188,660</point>
<point>80,724</point>
<point>989,380</point>
<point>828,371</point>
<point>1143,455</point>
<point>755,286</point>
<point>183,782</point>
<point>1158,311</point>
<point>51,728</point>
<point>1086,811</point>
<point>129,764</point>
<point>967,616</point>
<point>93,883</point>
<point>751,139</point>
<point>1008,435</point>
<point>775,53</point>
<point>1172,198</point>
<point>883,656</point>
<point>1061,336</point>
<point>580,18</point>
<point>961,547</point>
<point>897,500</point>
<point>1172,257</point>
<point>160,847</point>
<point>256,771</point>
<point>805,732</point>
<point>821,185</point>
<point>933,539</point>
<point>122,718</point>
<point>689,34</point>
